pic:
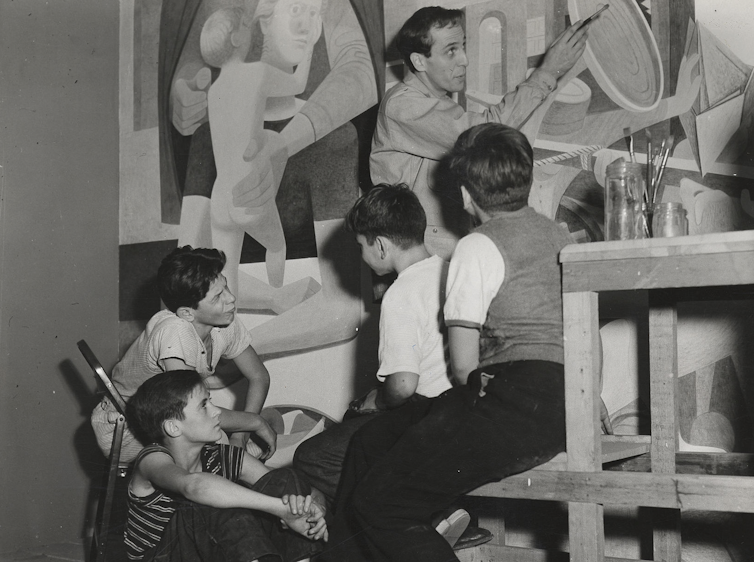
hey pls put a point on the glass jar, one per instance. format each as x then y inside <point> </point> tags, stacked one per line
<point>624,189</point>
<point>668,220</point>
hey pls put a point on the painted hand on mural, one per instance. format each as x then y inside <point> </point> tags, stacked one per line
<point>687,88</point>
<point>268,163</point>
<point>188,101</point>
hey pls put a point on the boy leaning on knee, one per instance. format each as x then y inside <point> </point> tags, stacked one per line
<point>191,498</point>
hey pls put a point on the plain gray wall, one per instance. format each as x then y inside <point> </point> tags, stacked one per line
<point>58,255</point>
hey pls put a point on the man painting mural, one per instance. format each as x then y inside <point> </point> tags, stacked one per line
<point>326,125</point>
<point>418,121</point>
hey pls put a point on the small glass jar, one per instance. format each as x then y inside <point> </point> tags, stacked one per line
<point>668,220</point>
<point>624,188</point>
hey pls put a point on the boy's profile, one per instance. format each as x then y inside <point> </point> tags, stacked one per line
<point>236,106</point>
<point>198,329</point>
<point>191,498</point>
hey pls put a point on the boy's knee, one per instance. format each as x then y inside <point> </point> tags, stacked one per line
<point>283,481</point>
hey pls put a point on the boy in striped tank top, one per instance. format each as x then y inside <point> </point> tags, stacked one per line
<point>192,499</point>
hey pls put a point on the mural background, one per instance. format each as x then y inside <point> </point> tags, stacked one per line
<point>706,104</point>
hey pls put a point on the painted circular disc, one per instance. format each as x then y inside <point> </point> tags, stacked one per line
<point>622,53</point>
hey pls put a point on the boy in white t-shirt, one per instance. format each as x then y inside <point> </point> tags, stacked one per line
<point>389,224</point>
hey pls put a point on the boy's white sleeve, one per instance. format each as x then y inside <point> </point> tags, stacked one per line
<point>399,346</point>
<point>476,273</point>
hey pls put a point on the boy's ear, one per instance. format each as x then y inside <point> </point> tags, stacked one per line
<point>171,428</point>
<point>467,200</point>
<point>186,313</point>
<point>382,245</point>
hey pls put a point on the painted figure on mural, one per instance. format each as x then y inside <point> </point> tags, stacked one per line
<point>325,124</point>
<point>236,106</point>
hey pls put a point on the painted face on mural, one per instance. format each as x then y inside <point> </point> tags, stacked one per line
<point>445,67</point>
<point>287,32</point>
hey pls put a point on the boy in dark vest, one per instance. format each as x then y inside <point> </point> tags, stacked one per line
<point>507,413</point>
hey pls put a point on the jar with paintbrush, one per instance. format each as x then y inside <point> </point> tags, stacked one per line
<point>625,217</point>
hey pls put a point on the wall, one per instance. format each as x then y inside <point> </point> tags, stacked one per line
<point>58,256</point>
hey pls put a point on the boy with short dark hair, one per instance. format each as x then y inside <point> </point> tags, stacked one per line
<point>504,315</point>
<point>198,329</point>
<point>186,498</point>
<point>389,224</point>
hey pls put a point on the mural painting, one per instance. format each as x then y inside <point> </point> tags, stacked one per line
<point>261,118</point>
<point>246,124</point>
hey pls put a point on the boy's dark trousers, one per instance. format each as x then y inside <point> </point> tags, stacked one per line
<point>208,534</point>
<point>414,461</point>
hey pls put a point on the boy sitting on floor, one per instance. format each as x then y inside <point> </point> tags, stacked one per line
<point>198,329</point>
<point>185,502</point>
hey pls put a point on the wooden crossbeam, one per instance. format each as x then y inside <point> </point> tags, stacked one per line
<point>675,491</point>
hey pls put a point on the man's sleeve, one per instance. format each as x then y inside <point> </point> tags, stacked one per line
<point>517,106</point>
<point>428,127</point>
<point>351,87</point>
<point>399,347</point>
<point>475,275</point>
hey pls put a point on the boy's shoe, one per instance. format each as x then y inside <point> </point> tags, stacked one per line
<point>453,526</point>
<point>472,536</point>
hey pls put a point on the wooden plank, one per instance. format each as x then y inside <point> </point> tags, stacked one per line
<point>613,449</point>
<point>718,242</point>
<point>494,553</point>
<point>722,464</point>
<point>581,340</point>
<point>582,344</point>
<point>675,491</point>
<point>586,532</point>
<point>663,369</point>
<point>658,273</point>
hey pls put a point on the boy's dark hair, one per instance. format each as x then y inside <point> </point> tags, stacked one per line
<point>160,398</point>
<point>494,163</point>
<point>185,275</point>
<point>414,36</point>
<point>392,211</point>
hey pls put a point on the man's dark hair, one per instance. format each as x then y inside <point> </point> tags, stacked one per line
<point>392,211</point>
<point>160,398</point>
<point>185,275</point>
<point>415,37</point>
<point>494,162</point>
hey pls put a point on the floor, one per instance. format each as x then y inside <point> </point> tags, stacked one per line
<point>73,551</point>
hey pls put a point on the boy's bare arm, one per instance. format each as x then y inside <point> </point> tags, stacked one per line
<point>252,469</point>
<point>256,373</point>
<point>464,351</point>
<point>204,488</point>
<point>159,470</point>
<point>398,388</point>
